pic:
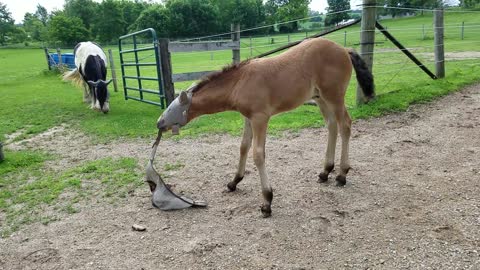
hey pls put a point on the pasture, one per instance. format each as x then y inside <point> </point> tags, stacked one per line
<point>72,185</point>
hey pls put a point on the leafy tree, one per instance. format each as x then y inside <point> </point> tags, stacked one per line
<point>192,17</point>
<point>34,27</point>
<point>131,11</point>
<point>315,14</point>
<point>6,23</point>
<point>68,30</point>
<point>334,11</point>
<point>83,9</point>
<point>109,23</point>
<point>42,14</point>
<point>248,13</point>
<point>155,16</point>
<point>470,3</point>
<point>286,10</point>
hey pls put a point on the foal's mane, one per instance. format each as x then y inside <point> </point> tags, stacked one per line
<point>216,75</point>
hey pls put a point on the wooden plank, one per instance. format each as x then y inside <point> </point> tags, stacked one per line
<point>190,76</point>
<point>112,69</point>
<point>438,40</point>
<point>203,46</point>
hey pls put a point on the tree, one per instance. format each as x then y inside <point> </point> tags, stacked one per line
<point>68,30</point>
<point>286,10</point>
<point>315,14</point>
<point>83,9</point>
<point>109,23</point>
<point>6,23</point>
<point>155,16</point>
<point>42,14</point>
<point>469,3</point>
<point>34,27</point>
<point>337,11</point>
<point>131,12</point>
<point>192,18</point>
<point>247,13</point>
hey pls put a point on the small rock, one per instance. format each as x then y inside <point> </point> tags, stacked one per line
<point>138,228</point>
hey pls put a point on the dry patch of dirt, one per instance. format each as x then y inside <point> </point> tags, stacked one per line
<point>411,201</point>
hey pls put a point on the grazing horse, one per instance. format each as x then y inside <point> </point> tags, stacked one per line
<point>316,69</point>
<point>91,72</point>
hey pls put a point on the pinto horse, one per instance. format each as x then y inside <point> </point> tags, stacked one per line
<point>316,69</point>
<point>91,72</point>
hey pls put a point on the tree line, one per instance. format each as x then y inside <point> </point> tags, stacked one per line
<point>105,21</point>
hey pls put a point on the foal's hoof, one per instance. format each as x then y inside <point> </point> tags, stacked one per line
<point>232,186</point>
<point>341,180</point>
<point>323,177</point>
<point>266,210</point>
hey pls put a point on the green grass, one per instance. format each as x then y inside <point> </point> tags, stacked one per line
<point>35,100</point>
<point>28,188</point>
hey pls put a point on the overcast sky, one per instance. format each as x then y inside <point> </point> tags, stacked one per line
<point>18,8</point>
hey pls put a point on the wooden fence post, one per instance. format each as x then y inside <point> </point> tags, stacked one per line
<point>345,39</point>
<point>166,68</point>
<point>438,40</point>
<point>251,47</point>
<point>112,68</point>
<point>423,31</point>
<point>236,37</point>
<point>367,40</point>
<point>47,55</point>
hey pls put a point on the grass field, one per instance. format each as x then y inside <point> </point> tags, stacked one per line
<point>34,100</point>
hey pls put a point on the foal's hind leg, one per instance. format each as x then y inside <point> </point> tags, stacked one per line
<point>331,122</point>
<point>244,148</point>
<point>344,123</point>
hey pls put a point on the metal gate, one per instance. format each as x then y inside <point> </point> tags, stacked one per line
<point>141,69</point>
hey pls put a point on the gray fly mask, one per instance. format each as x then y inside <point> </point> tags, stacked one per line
<point>162,196</point>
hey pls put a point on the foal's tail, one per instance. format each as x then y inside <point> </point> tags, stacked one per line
<point>364,76</point>
<point>74,76</point>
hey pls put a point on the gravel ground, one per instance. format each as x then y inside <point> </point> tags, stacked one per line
<point>411,202</point>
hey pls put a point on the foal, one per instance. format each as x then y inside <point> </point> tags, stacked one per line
<point>316,69</point>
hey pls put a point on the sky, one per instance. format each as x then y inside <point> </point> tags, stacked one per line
<point>18,8</point>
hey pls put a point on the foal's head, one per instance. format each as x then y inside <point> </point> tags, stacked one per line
<point>100,95</point>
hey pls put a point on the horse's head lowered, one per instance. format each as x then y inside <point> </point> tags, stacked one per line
<point>100,95</point>
<point>175,116</point>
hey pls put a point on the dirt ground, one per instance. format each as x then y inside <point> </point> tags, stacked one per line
<point>411,202</point>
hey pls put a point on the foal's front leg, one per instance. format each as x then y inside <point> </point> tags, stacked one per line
<point>244,148</point>
<point>259,126</point>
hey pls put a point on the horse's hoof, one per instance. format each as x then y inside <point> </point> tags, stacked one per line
<point>266,211</point>
<point>232,186</point>
<point>323,177</point>
<point>341,180</point>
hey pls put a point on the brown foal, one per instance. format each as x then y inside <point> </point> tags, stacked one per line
<point>316,69</point>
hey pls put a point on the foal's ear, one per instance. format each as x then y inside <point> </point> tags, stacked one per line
<point>183,98</point>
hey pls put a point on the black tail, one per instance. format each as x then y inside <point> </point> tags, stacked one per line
<point>364,76</point>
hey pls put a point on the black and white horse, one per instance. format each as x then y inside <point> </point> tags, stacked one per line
<point>91,72</point>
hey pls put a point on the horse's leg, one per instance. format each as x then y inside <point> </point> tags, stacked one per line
<point>344,123</point>
<point>259,127</point>
<point>331,122</point>
<point>86,94</point>
<point>244,148</point>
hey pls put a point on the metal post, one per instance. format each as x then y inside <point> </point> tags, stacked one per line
<point>2,157</point>
<point>288,38</point>
<point>48,58</point>
<point>367,40</point>
<point>438,40</point>
<point>463,29</point>
<point>423,31</point>
<point>251,47</point>
<point>345,39</point>
<point>236,37</point>
<point>59,53</point>
<point>166,65</point>
<point>112,68</point>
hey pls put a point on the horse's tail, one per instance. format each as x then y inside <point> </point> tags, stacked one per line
<point>364,76</point>
<point>74,76</point>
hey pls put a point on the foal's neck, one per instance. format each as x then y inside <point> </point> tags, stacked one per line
<point>213,97</point>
